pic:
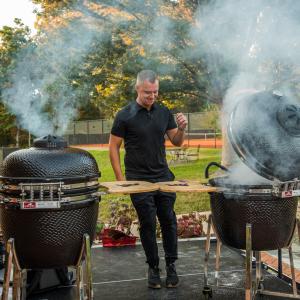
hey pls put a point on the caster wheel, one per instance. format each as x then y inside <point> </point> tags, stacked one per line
<point>207,292</point>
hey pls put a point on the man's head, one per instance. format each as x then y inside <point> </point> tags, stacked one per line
<point>146,88</point>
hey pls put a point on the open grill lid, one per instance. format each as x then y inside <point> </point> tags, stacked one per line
<point>264,130</point>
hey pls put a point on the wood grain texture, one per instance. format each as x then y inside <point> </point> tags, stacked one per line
<point>133,187</point>
<point>187,186</point>
<point>129,187</point>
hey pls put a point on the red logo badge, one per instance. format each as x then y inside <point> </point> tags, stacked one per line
<point>29,205</point>
<point>288,193</point>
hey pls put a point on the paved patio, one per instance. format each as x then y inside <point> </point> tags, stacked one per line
<point>120,273</point>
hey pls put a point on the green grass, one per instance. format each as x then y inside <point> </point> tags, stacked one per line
<point>185,202</point>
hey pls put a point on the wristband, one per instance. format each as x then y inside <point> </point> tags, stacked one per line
<point>181,129</point>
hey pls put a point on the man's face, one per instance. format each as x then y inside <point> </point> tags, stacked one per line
<point>147,93</point>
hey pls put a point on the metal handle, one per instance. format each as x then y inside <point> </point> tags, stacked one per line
<point>216,165</point>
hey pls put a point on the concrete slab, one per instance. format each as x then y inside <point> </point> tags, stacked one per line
<point>120,273</point>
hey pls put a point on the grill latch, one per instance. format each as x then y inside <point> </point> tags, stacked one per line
<point>287,189</point>
<point>36,195</point>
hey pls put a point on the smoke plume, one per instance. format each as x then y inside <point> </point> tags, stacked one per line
<point>257,41</point>
<point>42,94</point>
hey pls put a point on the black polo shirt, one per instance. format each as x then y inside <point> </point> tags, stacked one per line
<point>143,132</point>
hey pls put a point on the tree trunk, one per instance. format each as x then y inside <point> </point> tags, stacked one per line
<point>17,137</point>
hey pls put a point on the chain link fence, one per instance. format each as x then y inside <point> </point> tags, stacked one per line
<point>201,125</point>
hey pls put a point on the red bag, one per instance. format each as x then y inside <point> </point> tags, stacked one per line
<point>116,238</point>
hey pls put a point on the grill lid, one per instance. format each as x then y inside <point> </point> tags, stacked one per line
<point>50,141</point>
<point>264,130</point>
<point>49,160</point>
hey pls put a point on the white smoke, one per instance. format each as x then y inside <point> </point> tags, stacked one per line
<point>42,96</point>
<point>250,34</point>
<point>258,42</point>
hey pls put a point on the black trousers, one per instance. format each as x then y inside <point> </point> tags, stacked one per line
<point>148,206</point>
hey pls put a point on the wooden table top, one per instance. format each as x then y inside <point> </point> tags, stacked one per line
<point>129,187</point>
<point>132,187</point>
<point>188,186</point>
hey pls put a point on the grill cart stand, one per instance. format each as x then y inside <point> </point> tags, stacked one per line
<point>252,286</point>
<point>207,290</point>
<point>84,290</point>
<point>12,263</point>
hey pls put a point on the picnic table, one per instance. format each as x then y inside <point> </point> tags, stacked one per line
<point>177,154</point>
<point>183,154</point>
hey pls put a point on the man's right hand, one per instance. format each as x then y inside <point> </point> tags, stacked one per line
<point>181,121</point>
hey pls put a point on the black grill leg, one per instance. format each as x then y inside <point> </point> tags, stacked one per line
<point>207,292</point>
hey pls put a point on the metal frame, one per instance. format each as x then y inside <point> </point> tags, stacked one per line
<point>83,267</point>
<point>12,264</point>
<point>207,290</point>
<point>84,291</point>
<point>178,155</point>
<point>252,287</point>
<point>47,191</point>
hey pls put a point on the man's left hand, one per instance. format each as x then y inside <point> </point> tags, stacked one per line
<point>181,121</point>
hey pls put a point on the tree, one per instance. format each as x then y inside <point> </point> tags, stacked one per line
<point>134,42</point>
<point>12,41</point>
<point>86,55</point>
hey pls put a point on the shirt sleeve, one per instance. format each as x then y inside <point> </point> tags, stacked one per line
<point>118,128</point>
<point>171,122</point>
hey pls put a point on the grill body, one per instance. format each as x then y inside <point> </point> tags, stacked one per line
<point>46,174</point>
<point>49,238</point>
<point>273,219</point>
<point>264,131</point>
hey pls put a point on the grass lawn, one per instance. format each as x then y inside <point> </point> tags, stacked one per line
<point>185,202</point>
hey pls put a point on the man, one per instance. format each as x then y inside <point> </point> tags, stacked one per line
<point>142,126</point>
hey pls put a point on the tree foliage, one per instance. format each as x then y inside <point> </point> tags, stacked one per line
<point>133,35</point>
<point>134,42</point>
<point>12,41</point>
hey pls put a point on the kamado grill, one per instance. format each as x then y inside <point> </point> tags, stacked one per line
<point>49,205</point>
<point>264,131</point>
<point>271,209</point>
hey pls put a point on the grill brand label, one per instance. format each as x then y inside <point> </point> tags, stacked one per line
<point>40,204</point>
<point>288,194</point>
<point>29,205</point>
<point>294,193</point>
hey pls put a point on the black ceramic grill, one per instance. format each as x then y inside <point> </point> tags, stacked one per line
<point>272,217</point>
<point>48,202</point>
<point>264,130</point>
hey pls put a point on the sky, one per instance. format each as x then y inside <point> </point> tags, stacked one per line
<point>10,9</point>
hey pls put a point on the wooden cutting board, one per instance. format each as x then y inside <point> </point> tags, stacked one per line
<point>188,186</point>
<point>129,187</point>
